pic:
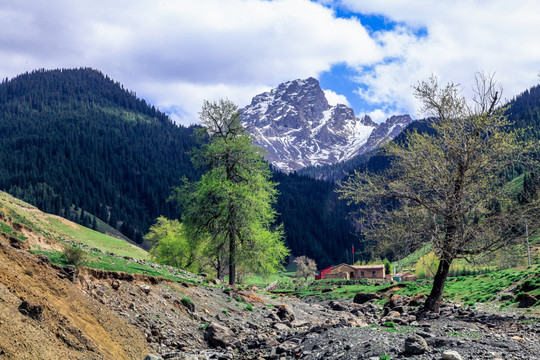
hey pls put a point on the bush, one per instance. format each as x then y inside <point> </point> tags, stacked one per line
<point>74,255</point>
<point>249,307</point>
<point>390,324</point>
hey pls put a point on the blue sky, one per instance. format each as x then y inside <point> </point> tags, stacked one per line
<point>177,53</point>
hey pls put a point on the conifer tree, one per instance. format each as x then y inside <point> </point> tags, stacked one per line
<point>231,206</point>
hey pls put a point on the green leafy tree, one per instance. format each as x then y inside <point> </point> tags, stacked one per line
<point>231,206</point>
<point>446,185</point>
<point>170,245</point>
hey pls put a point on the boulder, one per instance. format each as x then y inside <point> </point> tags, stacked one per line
<point>451,355</point>
<point>31,310</point>
<point>153,357</point>
<point>218,335</point>
<point>394,301</point>
<point>362,298</point>
<point>337,306</point>
<point>415,345</point>
<point>285,313</point>
<point>72,273</point>
<point>526,300</point>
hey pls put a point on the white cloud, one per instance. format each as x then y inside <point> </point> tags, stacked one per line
<point>224,47</point>
<point>462,37</point>
<point>335,98</point>
<point>175,53</point>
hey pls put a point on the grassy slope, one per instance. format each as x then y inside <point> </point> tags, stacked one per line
<point>47,234</point>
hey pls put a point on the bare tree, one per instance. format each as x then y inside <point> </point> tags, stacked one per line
<point>446,186</point>
<point>305,267</point>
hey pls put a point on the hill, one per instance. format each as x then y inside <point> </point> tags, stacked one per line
<point>77,138</point>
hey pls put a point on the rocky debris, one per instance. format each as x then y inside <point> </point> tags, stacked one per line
<point>31,310</point>
<point>415,345</point>
<point>220,325</point>
<point>152,357</point>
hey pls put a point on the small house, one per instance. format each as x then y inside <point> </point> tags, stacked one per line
<point>349,272</point>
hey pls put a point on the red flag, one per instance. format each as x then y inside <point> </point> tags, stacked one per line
<point>353,249</point>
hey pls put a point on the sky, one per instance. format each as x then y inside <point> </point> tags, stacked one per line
<point>365,53</point>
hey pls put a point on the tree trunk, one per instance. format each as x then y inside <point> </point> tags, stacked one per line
<point>232,263</point>
<point>432,302</point>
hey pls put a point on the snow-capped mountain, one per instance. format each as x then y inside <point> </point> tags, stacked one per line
<point>298,128</point>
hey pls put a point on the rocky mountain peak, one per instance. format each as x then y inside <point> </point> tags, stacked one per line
<point>298,127</point>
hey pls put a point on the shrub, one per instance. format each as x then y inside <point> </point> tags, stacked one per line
<point>249,307</point>
<point>74,255</point>
<point>390,324</point>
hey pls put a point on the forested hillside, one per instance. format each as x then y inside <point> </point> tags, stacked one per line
<point>77,138</point>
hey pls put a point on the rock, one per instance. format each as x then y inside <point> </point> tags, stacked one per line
<point>153,357</point>
<point>115,284</point>
<point>415,345</point>
<point>362,298</point>
<point>188,304</point>
<point>288,347</point>
<point>31,310</point>
<point>218,335</point>
<point>281,327</point>
<point>72,273</point>
<point>337,306</point>
<point>526,300</point>
<point>451,355</point>
<point>43,259</point>
<point>145,289</point>
<point>394,301</point>
<point>285,313</point>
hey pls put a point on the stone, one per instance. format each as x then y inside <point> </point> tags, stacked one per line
<point>115,284</point>
<point>31,310</point>
<point>526,300</point>
<point>362,298</point>
<point>153,357</point>
<point>337,306</point>
<point>43,259</point>
<point>188,304</point>
<point>72,273</point>
<point>145,289</point>
<point>285,313</point>
<point>415,345</point>
<point>281,327</point>
<point>394,301</point>
<point>218,335</point>
<point>451,355</point>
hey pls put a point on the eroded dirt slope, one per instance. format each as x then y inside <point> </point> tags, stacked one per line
<point>45,317</point>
